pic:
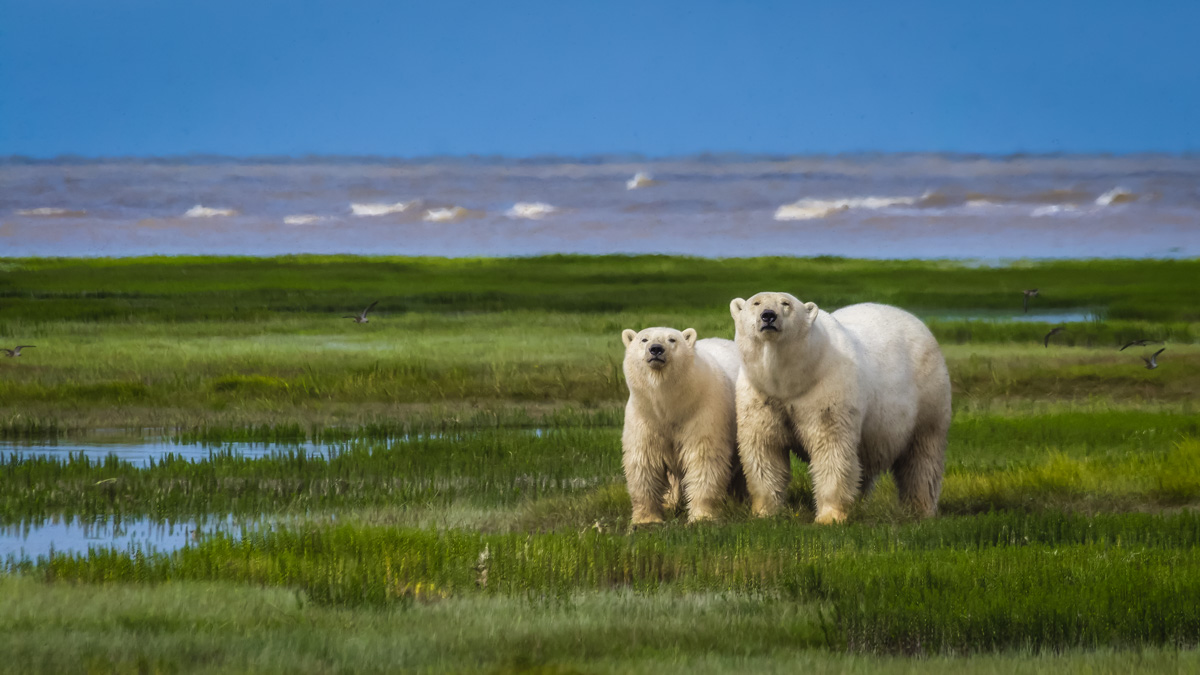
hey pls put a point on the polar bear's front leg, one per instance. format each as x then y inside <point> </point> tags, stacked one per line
<point>831,437</point>
<point>763,436</point>
<point>707,472</point>
<point>644,459</point>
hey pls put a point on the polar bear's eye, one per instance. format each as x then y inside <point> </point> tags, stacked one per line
<point>757,304</point>
<point>671,340</point>
<point>645,340</point>
<point>787,304</point>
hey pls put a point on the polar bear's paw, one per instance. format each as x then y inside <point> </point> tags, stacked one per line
<point>645,523</point>
<point>765,508</point>
<point>829,515</point>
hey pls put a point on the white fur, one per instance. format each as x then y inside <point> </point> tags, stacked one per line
<point>680,426</point>
<point>857,392</point>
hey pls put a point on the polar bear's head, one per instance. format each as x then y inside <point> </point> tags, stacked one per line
<point>772,316</point>
<point>658,351</point>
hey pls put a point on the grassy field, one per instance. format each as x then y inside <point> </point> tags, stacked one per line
<point>470,515</point>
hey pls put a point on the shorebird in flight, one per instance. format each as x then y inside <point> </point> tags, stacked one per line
<point>1139,343</point>
<point>361,317</point>
<point>1053,331</point>
<point>1029,293</point>
<point>16,351</point>
<point>1152,360</point>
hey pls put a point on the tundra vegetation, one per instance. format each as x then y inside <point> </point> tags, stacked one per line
<point>467,510</point>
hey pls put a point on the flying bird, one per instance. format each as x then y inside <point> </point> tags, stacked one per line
<point>361,317</point>
<point>1053,331</point>
<point>1029,293</point>
<point>1139,343</point>
<point>16,351</point>
<point>1152,361</point>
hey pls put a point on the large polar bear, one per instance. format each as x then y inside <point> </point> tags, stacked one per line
<point>855,393</point>
<point>680,425</point>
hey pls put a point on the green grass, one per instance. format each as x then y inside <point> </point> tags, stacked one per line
<point>954,585</point>
<point>345,373</point>
<point>1091,543</point>
<point>1097,461</point>
<point>222,628</point>
<point>248,289</point>
<point>187,342</point>
<point>495,468</point>
<point>479,413</point>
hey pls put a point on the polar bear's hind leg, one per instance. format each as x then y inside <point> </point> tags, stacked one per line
<point>918,472</point>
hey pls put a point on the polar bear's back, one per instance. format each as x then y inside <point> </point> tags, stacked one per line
<point>722,353</point>
<point>890,336</point>
<point>883,327</point>
<point>900,354</point>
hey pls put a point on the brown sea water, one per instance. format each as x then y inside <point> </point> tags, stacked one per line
<point>870,206</point>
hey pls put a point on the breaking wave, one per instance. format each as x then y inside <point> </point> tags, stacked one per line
<point>445,215</point>
<point>937,198</point>
<point>1053,209</point>
<point>51,211</point>
<point>1057,196</point>
<point>530,210</point>
<point>303,219</point>
<point>639,180</point>
<point>809,209</point>
<point>375,209</point>
<point>1117,195</point>
<point>199,211</point>
<point>950,197</point>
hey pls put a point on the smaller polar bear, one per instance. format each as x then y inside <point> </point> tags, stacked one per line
<point>680,424</point>
<point>855,393</point>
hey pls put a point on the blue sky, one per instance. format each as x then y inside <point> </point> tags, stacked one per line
<point>156,77</point>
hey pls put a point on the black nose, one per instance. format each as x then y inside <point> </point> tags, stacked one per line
<point>768,316</point>
<point>656,350</point>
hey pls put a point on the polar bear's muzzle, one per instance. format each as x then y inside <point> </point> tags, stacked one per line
<point>767,321</point>
<point>657,358</point>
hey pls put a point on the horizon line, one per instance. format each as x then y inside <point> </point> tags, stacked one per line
<point>585,158</point>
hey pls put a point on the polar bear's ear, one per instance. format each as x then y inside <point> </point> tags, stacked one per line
<point>628,336</point>
<point>689,336</point>
<point>812,311</point>
<point>735,306</point>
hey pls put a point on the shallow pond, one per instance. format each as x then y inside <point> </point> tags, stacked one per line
<point>77,535</point>
<point>1070,315</point>
<point>140,452</point>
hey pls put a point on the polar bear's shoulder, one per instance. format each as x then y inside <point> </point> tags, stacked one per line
<point>721,353</point>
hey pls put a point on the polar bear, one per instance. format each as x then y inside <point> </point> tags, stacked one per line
<point>854,393</point>
<point>680,425</point>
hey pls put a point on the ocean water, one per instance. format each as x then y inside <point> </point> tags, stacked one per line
<point>871,206</point>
